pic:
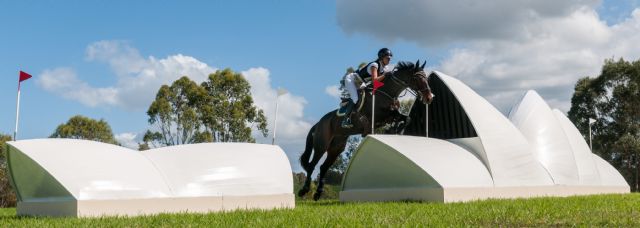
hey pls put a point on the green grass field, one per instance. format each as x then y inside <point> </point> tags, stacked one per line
<point>603,210</point>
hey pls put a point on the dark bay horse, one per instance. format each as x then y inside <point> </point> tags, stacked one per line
<point>327,135</point>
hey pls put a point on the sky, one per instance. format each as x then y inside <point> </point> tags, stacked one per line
<point>107,59</point>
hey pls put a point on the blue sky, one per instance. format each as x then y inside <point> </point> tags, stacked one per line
<point>298,41</point>
<point>303,46</point>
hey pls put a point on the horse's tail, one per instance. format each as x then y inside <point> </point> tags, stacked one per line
<point>304,158</point>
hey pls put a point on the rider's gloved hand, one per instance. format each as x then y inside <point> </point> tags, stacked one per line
<point>363,85</point>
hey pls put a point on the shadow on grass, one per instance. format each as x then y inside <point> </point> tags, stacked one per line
<point>332,202</point>
<point>15,217</point>
<point>8,217</point>
<point>325,202</point>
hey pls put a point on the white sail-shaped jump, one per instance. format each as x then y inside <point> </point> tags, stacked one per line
<point>69,177</point>
<point>547,138</point>
<point>475,152</point>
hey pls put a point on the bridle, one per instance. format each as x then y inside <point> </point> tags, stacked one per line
<point>418,75</point>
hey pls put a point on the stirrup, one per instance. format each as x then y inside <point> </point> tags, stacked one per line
<point>346,123</point>
<point>346,107</point>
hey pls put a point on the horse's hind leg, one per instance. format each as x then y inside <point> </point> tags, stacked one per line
<point>319,147</point>
<point>335,149</point>
<point>307,182</point>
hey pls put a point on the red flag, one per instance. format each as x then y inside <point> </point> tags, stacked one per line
<point>24,76</point>
<point>376,84</point>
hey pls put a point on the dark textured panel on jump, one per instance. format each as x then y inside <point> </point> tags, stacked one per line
<point>447,118</point>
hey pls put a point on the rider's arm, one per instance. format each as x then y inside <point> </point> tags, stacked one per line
<point>374,74</point>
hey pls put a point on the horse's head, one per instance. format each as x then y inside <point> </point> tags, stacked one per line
<point>416,79</point>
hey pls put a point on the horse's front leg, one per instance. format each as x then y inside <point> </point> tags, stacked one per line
<point>366,125</point>
<point>404,126</point>
<point>400,122</point>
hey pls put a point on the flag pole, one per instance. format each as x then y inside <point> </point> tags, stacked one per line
<point>376,84</point>
<point>15,132</point>
<point>23,76</point>
<point>275,121</point>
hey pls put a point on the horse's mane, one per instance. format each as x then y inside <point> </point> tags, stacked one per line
<point>404,65</point>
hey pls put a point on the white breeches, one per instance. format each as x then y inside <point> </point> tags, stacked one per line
<point>350,85</point>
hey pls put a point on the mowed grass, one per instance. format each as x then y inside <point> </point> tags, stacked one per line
<point>601,210</point>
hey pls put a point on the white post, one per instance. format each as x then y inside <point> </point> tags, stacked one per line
<point>273,140</point>
<point>275,121</point>
<point>590,145</point>
<point>426,121</point>
<point>591,121</point>
<point>373,113</point>
<point>15,133</point>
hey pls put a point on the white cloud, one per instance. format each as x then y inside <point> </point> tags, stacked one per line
<point>65,82</point>
<point>122,58</point>
<point>128,139</point>
<point>436,22</point>
<point>558,53</point>
<point>292,128</point>
<point>138,78</point>
<point>334,91</point>
<point>505,48</point>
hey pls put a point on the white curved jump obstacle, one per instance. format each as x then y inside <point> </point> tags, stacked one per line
<point>68,177</point>
<point>474,152</point>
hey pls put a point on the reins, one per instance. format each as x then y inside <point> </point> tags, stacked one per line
<point>396,80</point>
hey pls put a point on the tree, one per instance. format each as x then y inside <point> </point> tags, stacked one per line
<point>405,105</point>
<point>3,138</point>
<point>143,146</point>
<point>7,195</point>
<point>228,112</point>
<point>80,127</point>
<point>612,99</point>
<point>219,110</point>
<point>175,115</point>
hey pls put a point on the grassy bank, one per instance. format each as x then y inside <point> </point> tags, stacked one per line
<point>609,210</point>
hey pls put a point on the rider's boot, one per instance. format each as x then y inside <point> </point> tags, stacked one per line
<point>346,122</point>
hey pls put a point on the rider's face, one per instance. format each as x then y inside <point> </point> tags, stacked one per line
<point>386,60</point>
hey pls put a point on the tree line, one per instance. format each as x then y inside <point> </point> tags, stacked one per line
<point>613,100</point>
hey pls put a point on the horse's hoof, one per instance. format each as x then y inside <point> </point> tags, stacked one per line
<point>316,196</point>
<point>302,192</point>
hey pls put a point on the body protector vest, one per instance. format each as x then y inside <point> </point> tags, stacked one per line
<point>364,74</point>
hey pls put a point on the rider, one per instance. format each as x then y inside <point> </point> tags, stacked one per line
<point>372,71</point>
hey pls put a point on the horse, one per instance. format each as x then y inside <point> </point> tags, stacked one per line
<point>327,135</point>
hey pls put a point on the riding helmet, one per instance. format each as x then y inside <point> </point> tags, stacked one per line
<point>384,52</point>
